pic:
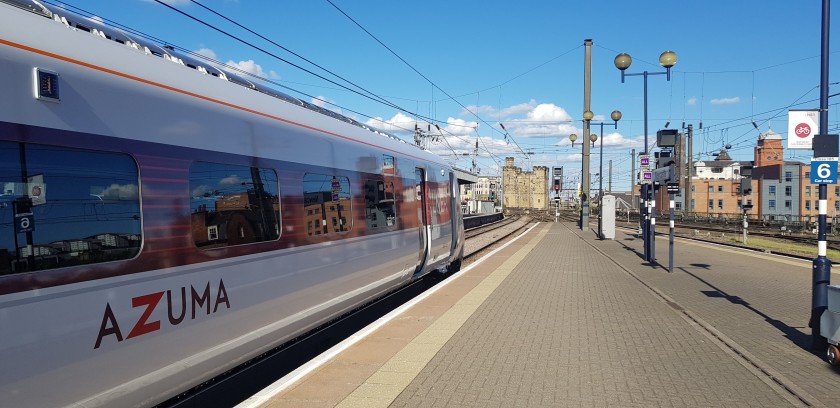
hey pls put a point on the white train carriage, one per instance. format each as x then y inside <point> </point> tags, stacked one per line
<point>163,221</point>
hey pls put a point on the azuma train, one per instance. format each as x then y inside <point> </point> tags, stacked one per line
<point>163,220</point>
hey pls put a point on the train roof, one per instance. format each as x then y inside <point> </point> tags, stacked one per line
<point>160,48</point>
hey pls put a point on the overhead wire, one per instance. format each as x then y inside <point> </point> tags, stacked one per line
<point>370,95</point>
<point>413,68</point>
<point>375,96</point>
<point>379,98</point>
<point>211,26</point>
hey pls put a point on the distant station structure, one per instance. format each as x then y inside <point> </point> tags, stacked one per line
<point>525,189</point>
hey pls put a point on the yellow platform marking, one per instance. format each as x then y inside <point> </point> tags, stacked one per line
<point>384,386</point>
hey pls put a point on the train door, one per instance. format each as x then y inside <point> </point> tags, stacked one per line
<point>455,218</point>
<point>423,221</point>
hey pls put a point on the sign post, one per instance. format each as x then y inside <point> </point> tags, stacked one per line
<point>644,211</point>
<point>824,170</point>
<point>802,126</point>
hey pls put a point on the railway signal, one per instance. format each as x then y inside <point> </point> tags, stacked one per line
<point>558,180</point>
<point>746,180</point>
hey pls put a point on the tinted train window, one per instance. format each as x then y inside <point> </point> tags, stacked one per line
<point>63,207</point>
<point>326,203</point>
<point>233,205</point>
<point>380,209</point>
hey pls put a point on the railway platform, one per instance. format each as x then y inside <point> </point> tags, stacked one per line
<point>560,318</point>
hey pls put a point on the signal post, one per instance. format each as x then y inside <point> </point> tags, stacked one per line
<point>557,173</point>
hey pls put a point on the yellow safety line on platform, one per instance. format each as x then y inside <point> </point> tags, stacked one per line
<point>385,385</point>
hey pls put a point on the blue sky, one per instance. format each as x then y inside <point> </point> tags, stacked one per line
<point>469,65</point>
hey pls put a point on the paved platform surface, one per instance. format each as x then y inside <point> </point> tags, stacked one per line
<point>561,319</point>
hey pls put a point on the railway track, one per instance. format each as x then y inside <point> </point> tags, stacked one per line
<point>716,233</point>
<point>719,236</point>
<point>473,232</point>
<point>795,237</point>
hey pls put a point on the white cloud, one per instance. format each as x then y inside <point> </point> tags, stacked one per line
<point>491,111</point>
<point>725,101</point>
<point>207,53</point>
<point>453,149</point>
<point>248,66</point>
<point>691,101</point>
<point>519,108</point>
<point>229,181</point>
<point>320,101</point>
<point>399,123</point>
<point>253,68</point>
<point>615,139</point>
<point>549,112</point>
<point>324,102</point>
<point>483,110</point>
<point>459,126</point>
<point>544,120</point>
<point>121,192</point>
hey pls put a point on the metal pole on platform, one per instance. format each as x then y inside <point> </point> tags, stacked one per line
<point>652,228</point>
<point>601,185</point>
<point>622,61</point>
<point>587,75</point>
<point>633,186</point>
<point>743,205</point>
<point>671,234</point>
<point>689,192</point>
<point>821,265</point>
<point>646,187</point>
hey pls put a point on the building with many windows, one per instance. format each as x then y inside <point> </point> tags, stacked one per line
<point>781,190</point>
<point>715,186</point>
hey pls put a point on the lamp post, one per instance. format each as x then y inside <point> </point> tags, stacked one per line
<point>622,61</point>
<point>584,174</point>
<point>587,116</point>
<point>615,116</point>
<point>585,181</point>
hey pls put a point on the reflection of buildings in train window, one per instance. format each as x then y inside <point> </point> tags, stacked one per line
<point>332,219</point>
<point>233,205</point>
<point>90,212</point>
<point>388,165</point>
<point>380,205</point>
<point>326,202</point>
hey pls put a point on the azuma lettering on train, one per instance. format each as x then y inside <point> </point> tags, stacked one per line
<point>176,307</point>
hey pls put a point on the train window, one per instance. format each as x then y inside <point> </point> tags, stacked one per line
<point>380,206</point>
<point>328,198</point>
<point>64,207</point>
<point>233,205</point>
